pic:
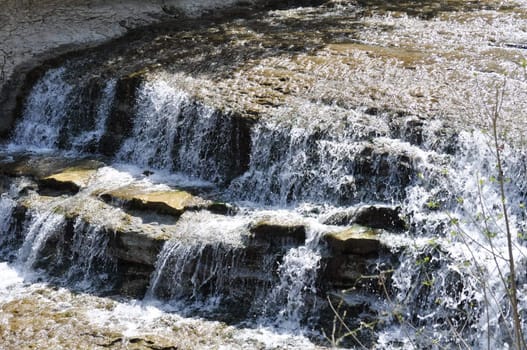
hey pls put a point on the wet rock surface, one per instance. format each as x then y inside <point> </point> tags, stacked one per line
<point>33,32</point>
<point>257,65</point>
<point>47,317</point>
<point>261,86</point>
<point>70,179</point>
<point>355,240</point>
<point>172,203</point>
<point>135,221</point>
<point>40,167</point>
<point>267,230</point>
<point>375,216</point>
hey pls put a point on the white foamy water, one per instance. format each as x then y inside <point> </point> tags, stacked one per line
<point>44,113</point>
<point>58,115</point>
<point>11,279</point>
<point>174,132</point>
<point>41,227</point>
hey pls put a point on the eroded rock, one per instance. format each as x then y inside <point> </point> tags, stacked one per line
<point>40,167</point>
<point>354,240</point>
<point>121,118</point>
<point>70,179</point>
<point>169,202</point>
<point>375,216</point>
<point>136,247</point>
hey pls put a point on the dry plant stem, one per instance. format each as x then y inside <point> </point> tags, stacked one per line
<point>459,336</point>
<point>494,253</point>
<point>382,278</point>
<point>3,62</point>
<point>482,280</point>
<point>486,289</point>
<point>350,332</point>
<point>487,314</point>
<point>512,289</point>
<point>497,266</point>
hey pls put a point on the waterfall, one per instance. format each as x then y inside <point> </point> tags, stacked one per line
<point>173,132</point>
<point>61,113</point>
<point>201,273</point>
<point>7,207</point>
<point>449,286</point>
<point>296,163</point>
<point>90,266</point>
<point>41,228</point>
<point>70,253</point>
<point>276,284</point>
<point>200,265</point>
<point>152,143</point>
<point>89,138</point>
<point>292,300</point>
<point>45,110</point>
<point>288,161</point>
<point>445,284</point>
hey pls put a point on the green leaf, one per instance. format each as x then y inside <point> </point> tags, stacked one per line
<point>431,204</point>
<point>490,234</point>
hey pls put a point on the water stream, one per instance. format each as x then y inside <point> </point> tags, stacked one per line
<point>264,273</point>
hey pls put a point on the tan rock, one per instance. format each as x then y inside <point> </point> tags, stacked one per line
<point>354,240</point>
<point>71,179</point>
<point>40,167</point>
<point>170,202</point>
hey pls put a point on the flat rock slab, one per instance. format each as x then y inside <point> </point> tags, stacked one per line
<point>40,167</point>
<point>168,202</point>
<point>71,179</point>
<point>357,239</point>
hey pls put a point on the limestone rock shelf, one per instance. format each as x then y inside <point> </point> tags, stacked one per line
<point>135,220</point>
<point>169,202</point>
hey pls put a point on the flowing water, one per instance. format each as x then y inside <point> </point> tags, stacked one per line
<point>394,114</point>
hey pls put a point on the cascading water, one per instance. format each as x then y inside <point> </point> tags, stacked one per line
<point>60,114</point>
<point>80,260</point>
<point>7,207</point>
<point>296,163</point>
<point>441,282</point>
<point>90,265</point>
<point>199,273</point>
<point>86,139</point>
<point>153,141</point>
<point>173,132</point>
<point>212,274</point>
<point>288,165</point>
<point>451,284</point>
<point>292,301</point>
<point>45,111</point>
<point>40,228</point>
<point>203,265</point>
